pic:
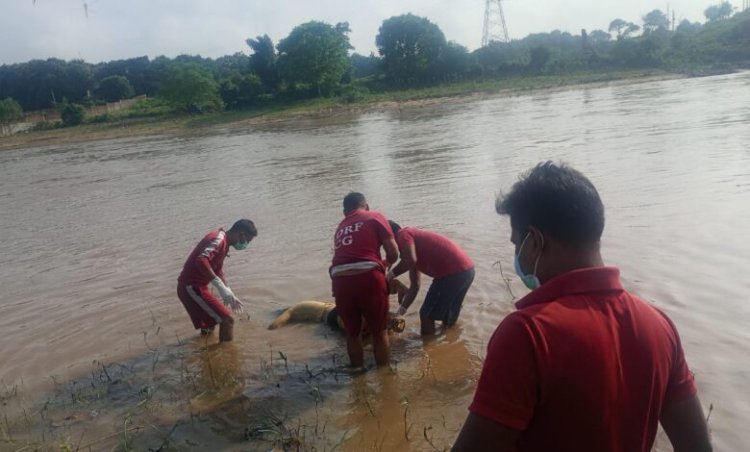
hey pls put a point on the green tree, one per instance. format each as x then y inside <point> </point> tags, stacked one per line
<point>72,114</point>
<point>599,36</point>
<point>539,56</point>
<point>315,54</point>
<point>654,21</point>
<point>500,58</point>
<point>10,110</point>
<point>263,60</point>
<point>114,88</point>
<point>630,29</point>
<point>623,28</point>
<point>364,66</point>
<point>454,62</point>
<point>230,65</point>
<point>190,88</point>
<point>139,72</point>
<point>241,90</point>
<point>41,84</point>
<point>689,28</point>
<point>410,46</point>
<point>617,26</point>
<point>718,12</point>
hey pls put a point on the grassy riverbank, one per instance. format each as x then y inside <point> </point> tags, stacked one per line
<point>153,118</point>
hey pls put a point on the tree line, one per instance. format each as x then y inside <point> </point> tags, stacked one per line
<point>315,60</point>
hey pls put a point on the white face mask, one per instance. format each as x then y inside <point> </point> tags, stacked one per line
<point>531,281</point>
<point>241,245</point>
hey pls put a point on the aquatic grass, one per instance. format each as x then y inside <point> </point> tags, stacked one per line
<point>407,425</point>
<point>428,438</point>
<point>129,400</point>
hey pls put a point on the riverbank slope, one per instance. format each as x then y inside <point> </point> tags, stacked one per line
<point>180,124</point>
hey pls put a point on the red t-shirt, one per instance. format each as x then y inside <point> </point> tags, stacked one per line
<point>583,365</point>
<point>210,252</point>
<point>359,237</point>
<point>437,255</point>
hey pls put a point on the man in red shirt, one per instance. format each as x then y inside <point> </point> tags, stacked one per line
<point>582,365</point>
<point>358,277</point>
<point>204,266</point>
<point>438,257</point>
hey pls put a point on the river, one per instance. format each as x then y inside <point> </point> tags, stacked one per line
<point>95,234</point>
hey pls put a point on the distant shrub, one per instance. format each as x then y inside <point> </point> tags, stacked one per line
<point>352,93</point>
<point>146,108</point>
<point>72,115</point>
<point>99,119</point>
<point>10,110</point>
<point>114,88</point>
<point>46,125</point>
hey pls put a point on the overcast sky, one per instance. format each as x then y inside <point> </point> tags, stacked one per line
<point>115,29</point>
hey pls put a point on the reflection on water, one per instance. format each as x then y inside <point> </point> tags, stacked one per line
<point>94,236</point>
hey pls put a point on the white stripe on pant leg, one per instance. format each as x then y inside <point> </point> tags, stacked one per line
<point>202,303</point>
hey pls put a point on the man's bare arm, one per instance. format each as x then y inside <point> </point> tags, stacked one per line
<point>685,426</point>
<point>408,260</point>
<point>480,434</point>
<point>391,250</point>
<point>411,293</point>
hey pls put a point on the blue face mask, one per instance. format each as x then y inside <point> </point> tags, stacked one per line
<point>531,281</point>
<point>241,245</point>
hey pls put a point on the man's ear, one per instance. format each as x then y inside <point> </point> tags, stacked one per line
<point>538,238</point>
<point>367,207</point>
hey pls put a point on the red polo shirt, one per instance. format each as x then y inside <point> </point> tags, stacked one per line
<point>359,236</point>
<point>437,255</point>
<point>583,365</point>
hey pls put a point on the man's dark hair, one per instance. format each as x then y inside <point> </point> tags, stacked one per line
<point>354,201</point>
<point>246,226</point>
<point>395,226</point>
<point>558,200</point>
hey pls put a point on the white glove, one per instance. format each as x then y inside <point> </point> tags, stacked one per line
<point>401,311</point>
<point>225,292</point>
<point>236,306</point>
<point>230,299</point>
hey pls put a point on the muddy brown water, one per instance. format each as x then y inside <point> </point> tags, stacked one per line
<point>94,236</point>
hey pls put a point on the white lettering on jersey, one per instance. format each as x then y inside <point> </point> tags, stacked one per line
<point>344,236</point>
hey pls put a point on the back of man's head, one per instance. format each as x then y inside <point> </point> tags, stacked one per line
<point>395,227</point>
<point>354,201</point>
<point>559,201</point>
<point>246,226</point>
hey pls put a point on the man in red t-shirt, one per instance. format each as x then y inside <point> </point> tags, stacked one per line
<point>358,277</point>
<point>582,365</point>
<point>204,266</point>
<point>438,257</point>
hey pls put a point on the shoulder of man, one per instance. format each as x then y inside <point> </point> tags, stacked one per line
<point>214,241</point>
<point>407,233</point>
<point>374,216</point>
<point>648,310</point>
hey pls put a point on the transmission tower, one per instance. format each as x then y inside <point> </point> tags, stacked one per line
<point>494,23</point>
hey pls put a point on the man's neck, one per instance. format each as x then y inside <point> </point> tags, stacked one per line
<point>569,260</point>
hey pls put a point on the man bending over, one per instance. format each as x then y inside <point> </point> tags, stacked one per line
<point>205,265</point>
<point>437,256</point>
